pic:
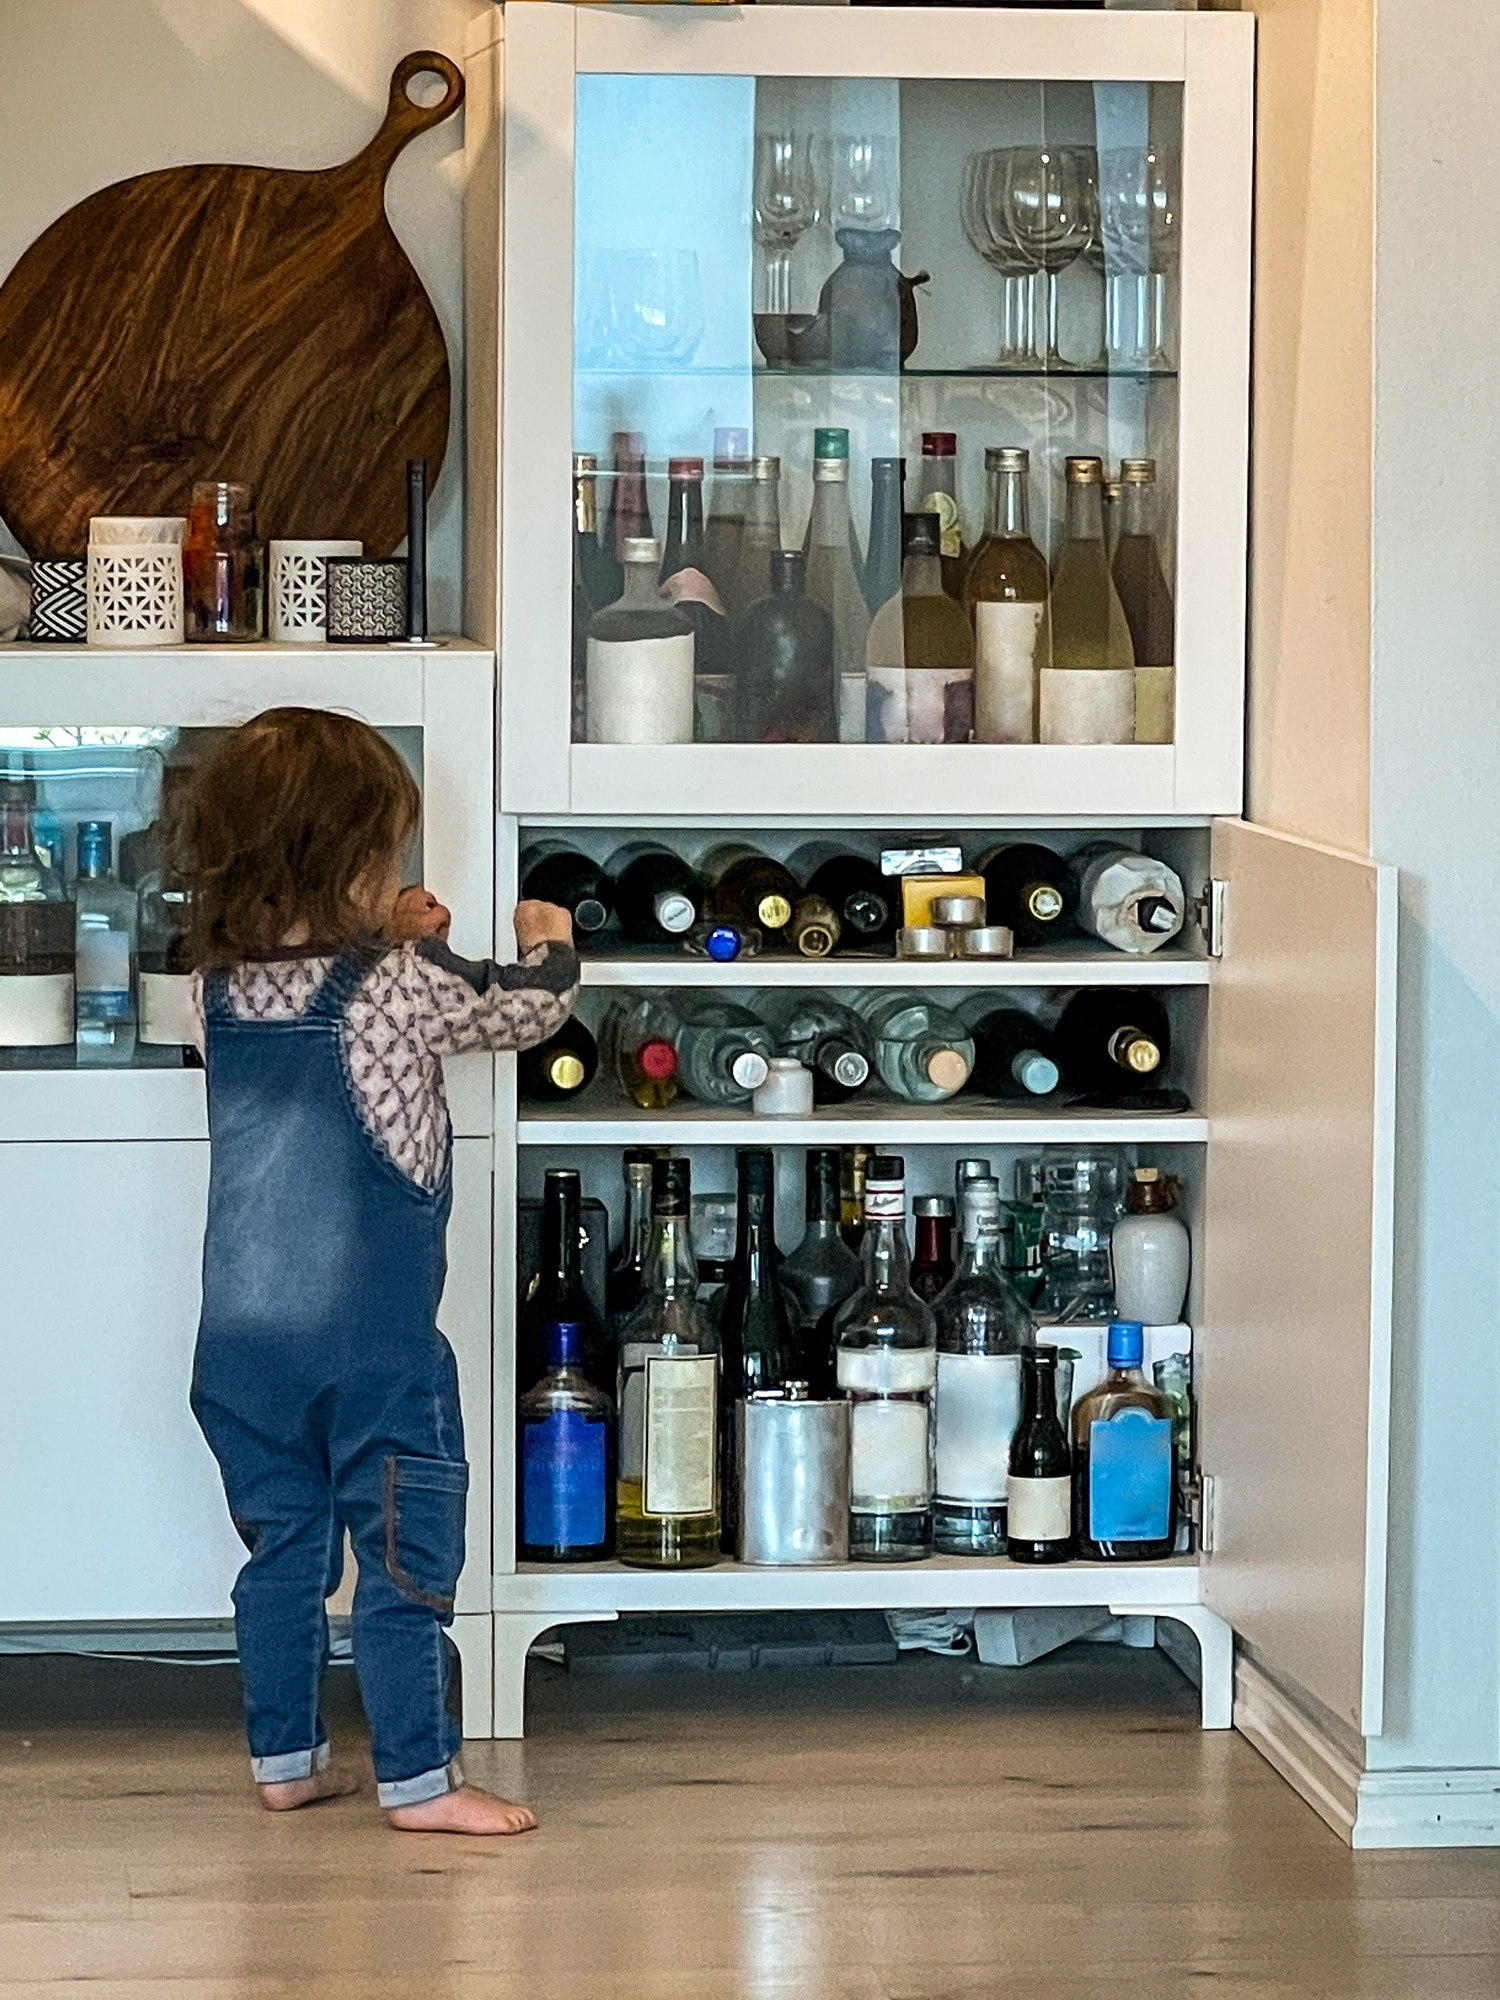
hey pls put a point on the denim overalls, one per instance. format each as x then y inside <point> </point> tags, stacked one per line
<point>327,1394</point>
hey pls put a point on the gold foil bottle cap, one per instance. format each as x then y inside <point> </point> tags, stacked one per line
<point>1143,1055</point>
<point>775,912</point>
<point>584,461</point>
<point>1085,471</point>
<point>565,1071</point>
<point>1138,471</point>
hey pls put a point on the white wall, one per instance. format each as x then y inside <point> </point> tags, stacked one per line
<point>92,91</point>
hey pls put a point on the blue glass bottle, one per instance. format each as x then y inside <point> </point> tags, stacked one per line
<point>1124,1472</point>
<point>565,1474</point>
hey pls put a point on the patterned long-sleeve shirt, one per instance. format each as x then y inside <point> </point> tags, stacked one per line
<point>419,1003</point>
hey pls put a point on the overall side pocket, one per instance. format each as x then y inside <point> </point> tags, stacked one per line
<point>424,1528</point>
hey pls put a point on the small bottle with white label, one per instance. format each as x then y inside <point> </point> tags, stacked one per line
<point>106,915</point>
<point>1124,1480</point>
<point>1005,594</point>
<point>1039,1490</point>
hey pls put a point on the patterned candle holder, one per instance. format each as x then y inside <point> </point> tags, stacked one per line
<point>134,595</point>
<point>299,589</point>
<point>366,600</point>
<point>59,609</point>
<point>135,531</point>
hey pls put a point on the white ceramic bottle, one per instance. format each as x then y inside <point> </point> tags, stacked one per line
<point>1151,1252</point>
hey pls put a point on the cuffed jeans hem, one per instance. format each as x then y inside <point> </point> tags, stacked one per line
<point>428,1785</point>
<point>293,1764</point>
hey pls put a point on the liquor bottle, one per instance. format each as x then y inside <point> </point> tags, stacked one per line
<point>164,966</point>
<point>823,1035</point>
<point>821,1272</point>
<point>564,1459</point>
<point>760,537</point>
<point>656,896</point>
<point>1150,1251</point>
<point>1012,1054</point>
<point>597,566</point>
<point>964,1171</point>
<point>629,516</point>
<point>749,888</point>
<point>834,570</point>
<point>815,929</point>
<point>932,1265</point>
<point>1025,1214</point>
<point>785,687</point>
<point>1029,889</point>
<point>757,1335</point>
<point>715,1229</point>
<point>940,497</point>
<point>553,872</point>
<point>1149,611</point>
<point>882,577</point>
<point>1124,1471</point>
<point>1039,1505</point>
<point>923,1052</point>
<point>1005,594</point>
<point>860,895</point>
<point>1130,900</point>
<point>622,1281</point>
<point>1088,682</point>
<point>726,509</point>
<point>939,644</point>
<point>558,1290</point>
<point>982,1332</point>
<point>667,1514</point>
<point>637,1041</point>
<point>684,578</point>
<point>105,943</point>
<point>559,1068</point>
<point>854,1164</point>
<point>723,1053</point>
<point>887,1367</point>
<point>38,929</point>
<point>1112,1039</point>
<point>639,663</point>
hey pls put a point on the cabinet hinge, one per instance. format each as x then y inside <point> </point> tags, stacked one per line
<point>1200,1504</point>
<point>1208,914</point>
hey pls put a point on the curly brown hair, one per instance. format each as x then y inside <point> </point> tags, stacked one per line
<point>284,819</point>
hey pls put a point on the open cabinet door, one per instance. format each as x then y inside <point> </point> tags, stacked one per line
<point>1296,1339</point>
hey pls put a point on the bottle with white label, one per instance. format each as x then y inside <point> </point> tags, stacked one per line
<point>1006,588</point>
<point>639,660</point>
<point>36,930</point>
<point>982,1331</point>
<point>106,912</point>
<point>1124,1460</point>
<point>1128,899</point>
<point>1039,1490</point>
<point>886,1344</point>
<point>1088,683</point>
<point>667,1497</point>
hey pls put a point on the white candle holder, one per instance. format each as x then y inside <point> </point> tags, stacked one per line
<point>136,531</point>
<point>299,589</point>
<point>134,595</point>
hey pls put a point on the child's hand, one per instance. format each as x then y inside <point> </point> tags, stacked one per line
<point>418,914</point>
<point>538,923</point>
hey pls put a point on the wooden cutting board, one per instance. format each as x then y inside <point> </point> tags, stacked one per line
<point>251,323</point>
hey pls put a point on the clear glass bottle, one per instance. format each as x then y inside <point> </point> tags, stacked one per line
<point>923,1052</point>
<point>558,1290</point>
<point>834,575</point>
<point>667,1512</point>
<point>622,1280</point>
<point>940,497</point>
<point>824,1036</point>
<point>757,1337</point>
<point>1147,601</point>
<point>1006,587</point>
<point>726,509</point>
<point>1039,1487</point>
<point>564,1459</point>
<point>105,940</point>
<point>969,1169</point>
<point>882,577</point>
<point>223,564</point>
<point>938,644</point>
<point>1088,682</point>
<point>887,1367</point>
<point>821,1272</point>
<point>38,929</point>
<point>760,537</point>
<point>1080,1203</point>
<point>638,1040</point>
<point>723,1053</point>
<point>982,1332</point>
<point>1124,1460</point>
<point>640,661</point>
<point>785,686</point>
<point>932,1265</point>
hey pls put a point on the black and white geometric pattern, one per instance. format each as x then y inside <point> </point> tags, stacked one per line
<point>299,589</point>
<point>135,596</point>
<point>366,599</point>
<point>59,609</point>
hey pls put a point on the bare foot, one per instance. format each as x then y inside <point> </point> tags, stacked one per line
<point>468,1810</point>
<point>330,1784</point>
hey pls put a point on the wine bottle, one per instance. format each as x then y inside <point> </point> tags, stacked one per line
<point>637,1042</point>
<point>982,1332</point>
<point>622,1281</point>
<point>750,889</point>
<point>1130,900</point>
<point>887,1366</point>
<point>932,1265</point>
<point>823,1035</point>
<point>559,1068</point>
<point>757,1337</point>
<point>723,1053</point>
<point>684,580</point>
<point>585,536</point>
<point>1113,1040</point>
<point>760,537</point>
<point>1005,594</point>
<point>854,1163</point>
<point>629,516</point>
<point>555,873</point>
<point>1124,1475</point>
<point>858,892</point>
<point>939,645</point>
<point>1029,889</point>
<point>923,1052</point>
<point>667,1514</point>
<point>940,497</point>
<point>785,687</point>
<point>815,929</point>
<point>1012,1054</point>
<point>639,661</point>
<point>1039,1523</point>
<point>834,571</point>
<point>38,929</point>
<point>597,565</point>
<point>1088,683</point>
<point>564,1459</point>
<point>821,1272</point>
<point>1146,600</point>
<point>656,896</point>
<point>558,1291</point>
<point>882,576</point>
<point>726,509</point>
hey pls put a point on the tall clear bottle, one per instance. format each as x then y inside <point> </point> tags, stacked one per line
<point>923,1052</point>
<point>887,1367</point>
<point>1088,684</point>
<point>1006,587</point>
<point>760,536</point>
<point>821,1272</point>
<point>726,508</point>
<point>757,1336</point>
<point>940,498</point>
<point>834,575</point>
<point>1147,601</point>
<point>982,1331</point>
<point>38,930</point>
<point>667,1513</point>
<point>106,923</point>
<point>627,1267</point>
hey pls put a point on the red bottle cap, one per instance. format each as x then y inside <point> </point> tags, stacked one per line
<point>684,468</point>
<point>658,1060</point>
<point>940,444</point>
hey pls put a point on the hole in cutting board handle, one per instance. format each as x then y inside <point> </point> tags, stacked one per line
<point>426,88</point>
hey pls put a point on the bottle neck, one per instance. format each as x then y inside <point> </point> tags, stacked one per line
<point>1038,1388</point>
<point>1007,507</point>
<point>671,1267</point>
<point>934,1241</point>
<point>884,1253</point>
<point>763,504</point>
<point>828,527</point>
<point>684,526</point>
<point>731,484</point>
<point>939,475</point>
<point>585,519</point>
<point>823,1200</point>
<point>1085,511</point>
<point>561,1261</point>
<point>637,1220</point>
<point>1137,509</point>
<point>922,575</point>
<point>982,1254</point>
<point>642,591</point>
<point>754,1263</point>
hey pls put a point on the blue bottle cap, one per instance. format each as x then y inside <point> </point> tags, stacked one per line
<point>564,1344</point>
<point>1127,1343</point>
<point>722,943</point>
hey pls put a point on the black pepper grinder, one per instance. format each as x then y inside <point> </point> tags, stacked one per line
<point>416,552</point>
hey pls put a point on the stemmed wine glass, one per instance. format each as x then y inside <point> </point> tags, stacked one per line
<point>864,183</point>
<point>1046,211</point>
<point>786,205</point>
<point>1139,224</point>
<point>983,212</point>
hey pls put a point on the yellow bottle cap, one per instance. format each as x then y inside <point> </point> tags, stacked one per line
<point>565,1072</point>
<point>1143,1055</point>
<point>775,912</point>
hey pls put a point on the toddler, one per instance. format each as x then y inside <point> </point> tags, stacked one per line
<point>321,1382</point>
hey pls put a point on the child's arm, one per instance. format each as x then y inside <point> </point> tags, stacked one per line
<point>465,1004</point>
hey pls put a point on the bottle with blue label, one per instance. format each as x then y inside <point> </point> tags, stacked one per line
<point>1124,1471</point>
<point>565,1459</point>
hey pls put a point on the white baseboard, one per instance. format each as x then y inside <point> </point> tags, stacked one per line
<point>1367,1809</point>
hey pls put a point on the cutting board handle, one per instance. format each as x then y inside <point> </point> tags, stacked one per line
<point>405,119</point>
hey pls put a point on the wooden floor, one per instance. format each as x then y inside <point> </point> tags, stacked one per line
<point>930,1831</point>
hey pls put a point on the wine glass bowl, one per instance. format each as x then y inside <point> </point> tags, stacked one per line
<point>655,306</point>
<point>864,183</point>
<point>983,215</point>
<point>786,203</point>
<point>1046,211</point>
<point>1140,229</point>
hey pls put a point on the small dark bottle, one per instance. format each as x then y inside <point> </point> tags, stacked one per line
<point>657,897</point>
<point>785,687</point>
<point>559,1291</point>
<point>1012,1056</point>
<point>558,1068</point>
<point>684,567</point>
<point>555,873</point>
<point>622,1281</point>
<point>757,1335</point>
<point>629,515</point>
<point>865,900</point>
<point>932,1266</point>
<point>1113,1040</point>
<point>565,1474</point>
<point>1039,1491</point>
<point>884,552</point>
<point>820,1273</point>
<point>1031,890</point>
<point>1124,1460</point>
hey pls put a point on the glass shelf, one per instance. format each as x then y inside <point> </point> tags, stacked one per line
<point>978,372</point>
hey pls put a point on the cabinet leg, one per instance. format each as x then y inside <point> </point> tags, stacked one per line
<point>1216,1648</point>
<point>473,1632</point>
<point>514,1633</point>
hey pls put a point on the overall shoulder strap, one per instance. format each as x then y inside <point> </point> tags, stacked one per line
<point>342,981</point>
<point>216,1002</point>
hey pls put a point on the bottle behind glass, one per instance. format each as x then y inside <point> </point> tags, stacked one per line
<point>564,1459</point>
<point>1124,1460</point>
<point>887,1367</point>
<point>1006,588</point>
<point>640,659</point>
<point>1030,890</point>
<point>684,580</point>
<point>558,1291</point>
<point>726,510</point>
<point>757,1336</point>
<point>38,930</point>
<point>1088,684</point>
<point>553,872</point>
<point>923,1052</point>
<point>723,1052</point>
<point>932,1265</point>
<point>821,1272</point>
<point>598,570</point>
<point>785,685</point>
<point>623,1279</point>
<point>657,898</point>
<point>105,944</point>
<point>940,498</point>
<point>1146,600</point>
<point>667,1512</point>
<point>760,537</point>
<point>938,645</point>
<point>882,574</point>
<point>834,575</point>
<point>823,1035</point>
<point>1039,1489</point>
<point>629,517</point>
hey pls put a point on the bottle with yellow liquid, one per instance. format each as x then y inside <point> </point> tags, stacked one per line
<point>1088,684</point>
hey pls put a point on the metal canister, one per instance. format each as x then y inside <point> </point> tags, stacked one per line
<point>984,941</point>
<point>923,941</point>
<point>792,1454</point>
<point>955,911</point>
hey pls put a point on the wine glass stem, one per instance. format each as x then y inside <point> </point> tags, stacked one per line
<point>1016,323</point>
<point>1159,320</point>
<point>779,282</point>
